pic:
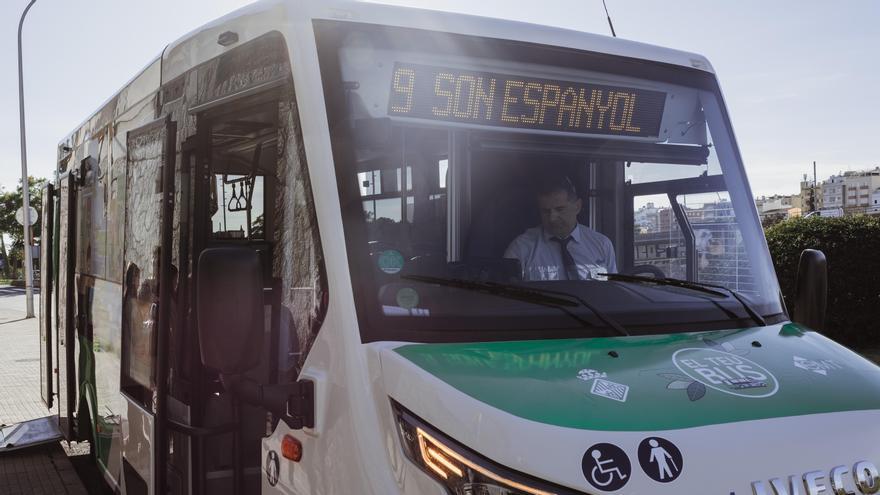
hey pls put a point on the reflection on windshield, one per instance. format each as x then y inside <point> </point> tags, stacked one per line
<point>467,200</point>
<point>522,216</point>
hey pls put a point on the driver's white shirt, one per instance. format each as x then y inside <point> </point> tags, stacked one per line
<point>541,257</point>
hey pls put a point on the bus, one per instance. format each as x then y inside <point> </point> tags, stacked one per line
<point>287,257</point>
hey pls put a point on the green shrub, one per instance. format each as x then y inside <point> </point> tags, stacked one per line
<point>852,248</point>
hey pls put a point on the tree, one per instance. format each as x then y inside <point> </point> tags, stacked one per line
<point>850,245</point>
<point>772,219</point>
<point>10,202</point>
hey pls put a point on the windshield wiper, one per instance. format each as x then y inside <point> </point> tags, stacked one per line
<point>708,289</point>
<point>543,297</point>
<point>696,286</point>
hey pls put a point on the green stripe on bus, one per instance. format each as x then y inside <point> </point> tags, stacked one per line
<point>716,377</point>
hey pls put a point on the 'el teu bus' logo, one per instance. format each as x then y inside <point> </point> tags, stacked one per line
<point>725,372</point>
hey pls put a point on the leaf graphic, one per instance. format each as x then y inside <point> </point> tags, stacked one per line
<point>727,346</point>
<point>696,391</point>
<point>679,385</point>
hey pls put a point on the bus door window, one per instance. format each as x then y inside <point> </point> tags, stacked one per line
<point>241,191</point>
<point>299,262</point>
<point>238,205</point>
<point>242,187</point>
<point>141,259</point>
<point>148,217</point>
<point>243,161</point>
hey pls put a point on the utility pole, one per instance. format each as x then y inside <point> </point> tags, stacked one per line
<point>813,189</point>
<point>25,185</point>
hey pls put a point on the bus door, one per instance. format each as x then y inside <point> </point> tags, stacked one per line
<point>65,304</point>
<point>235,205</point>
<point>47,276</point>
<point>41,430</point>
<point>147,280</point>
<point>57,303</point>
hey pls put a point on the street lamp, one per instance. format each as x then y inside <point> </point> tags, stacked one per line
<point>25,186</point>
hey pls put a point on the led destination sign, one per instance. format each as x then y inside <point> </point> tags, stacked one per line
<point>453,95</point>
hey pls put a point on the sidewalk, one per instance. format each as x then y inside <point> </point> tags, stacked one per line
<point>39,470</point>
<point>43,470</point>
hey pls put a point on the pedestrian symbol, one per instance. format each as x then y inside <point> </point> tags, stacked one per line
<point>660,459</point>
<point>606,467</point>
<point>272,468</point>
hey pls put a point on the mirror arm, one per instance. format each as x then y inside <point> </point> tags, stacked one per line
<point>294,403</point>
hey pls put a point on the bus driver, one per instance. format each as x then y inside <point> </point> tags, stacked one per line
<point>561,248</point>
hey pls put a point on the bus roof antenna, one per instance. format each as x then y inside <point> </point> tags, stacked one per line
<point>609,19</point>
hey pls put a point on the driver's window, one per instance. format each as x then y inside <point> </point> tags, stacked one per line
<point>720,251</point>
<point>657,236</point>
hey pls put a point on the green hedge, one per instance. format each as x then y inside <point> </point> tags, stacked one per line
<point>852,248</point>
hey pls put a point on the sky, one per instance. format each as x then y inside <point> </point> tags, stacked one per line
<point>800,77</point>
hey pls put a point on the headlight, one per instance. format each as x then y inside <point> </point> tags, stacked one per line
<point>460,470</point>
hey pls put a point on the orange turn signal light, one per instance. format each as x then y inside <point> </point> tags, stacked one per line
<point>291,448</point>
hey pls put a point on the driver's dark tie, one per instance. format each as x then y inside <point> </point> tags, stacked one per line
<point>571,271</point>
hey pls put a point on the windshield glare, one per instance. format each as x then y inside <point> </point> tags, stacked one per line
<point>486,170</point>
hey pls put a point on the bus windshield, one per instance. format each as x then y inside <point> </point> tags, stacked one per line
<point>498,190</point>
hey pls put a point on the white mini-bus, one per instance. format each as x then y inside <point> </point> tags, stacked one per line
<point>331,247</point>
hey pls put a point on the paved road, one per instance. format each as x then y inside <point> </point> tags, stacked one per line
<point>41,470</point>
<point>8,290</point>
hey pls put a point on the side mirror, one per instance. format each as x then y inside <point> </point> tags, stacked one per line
<point>811,296</point>
<point>229,305</point>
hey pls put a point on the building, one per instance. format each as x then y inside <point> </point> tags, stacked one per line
<point>647,219</point>
<point>780,207</point>
<point>874,208</point>
<point>851,192</point>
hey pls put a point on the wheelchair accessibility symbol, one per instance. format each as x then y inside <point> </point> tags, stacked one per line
<point>606,467</point>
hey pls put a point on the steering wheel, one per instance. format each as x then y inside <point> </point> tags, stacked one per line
<point>646,269</point>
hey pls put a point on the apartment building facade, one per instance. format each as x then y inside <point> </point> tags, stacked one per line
<point>851,192</point>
